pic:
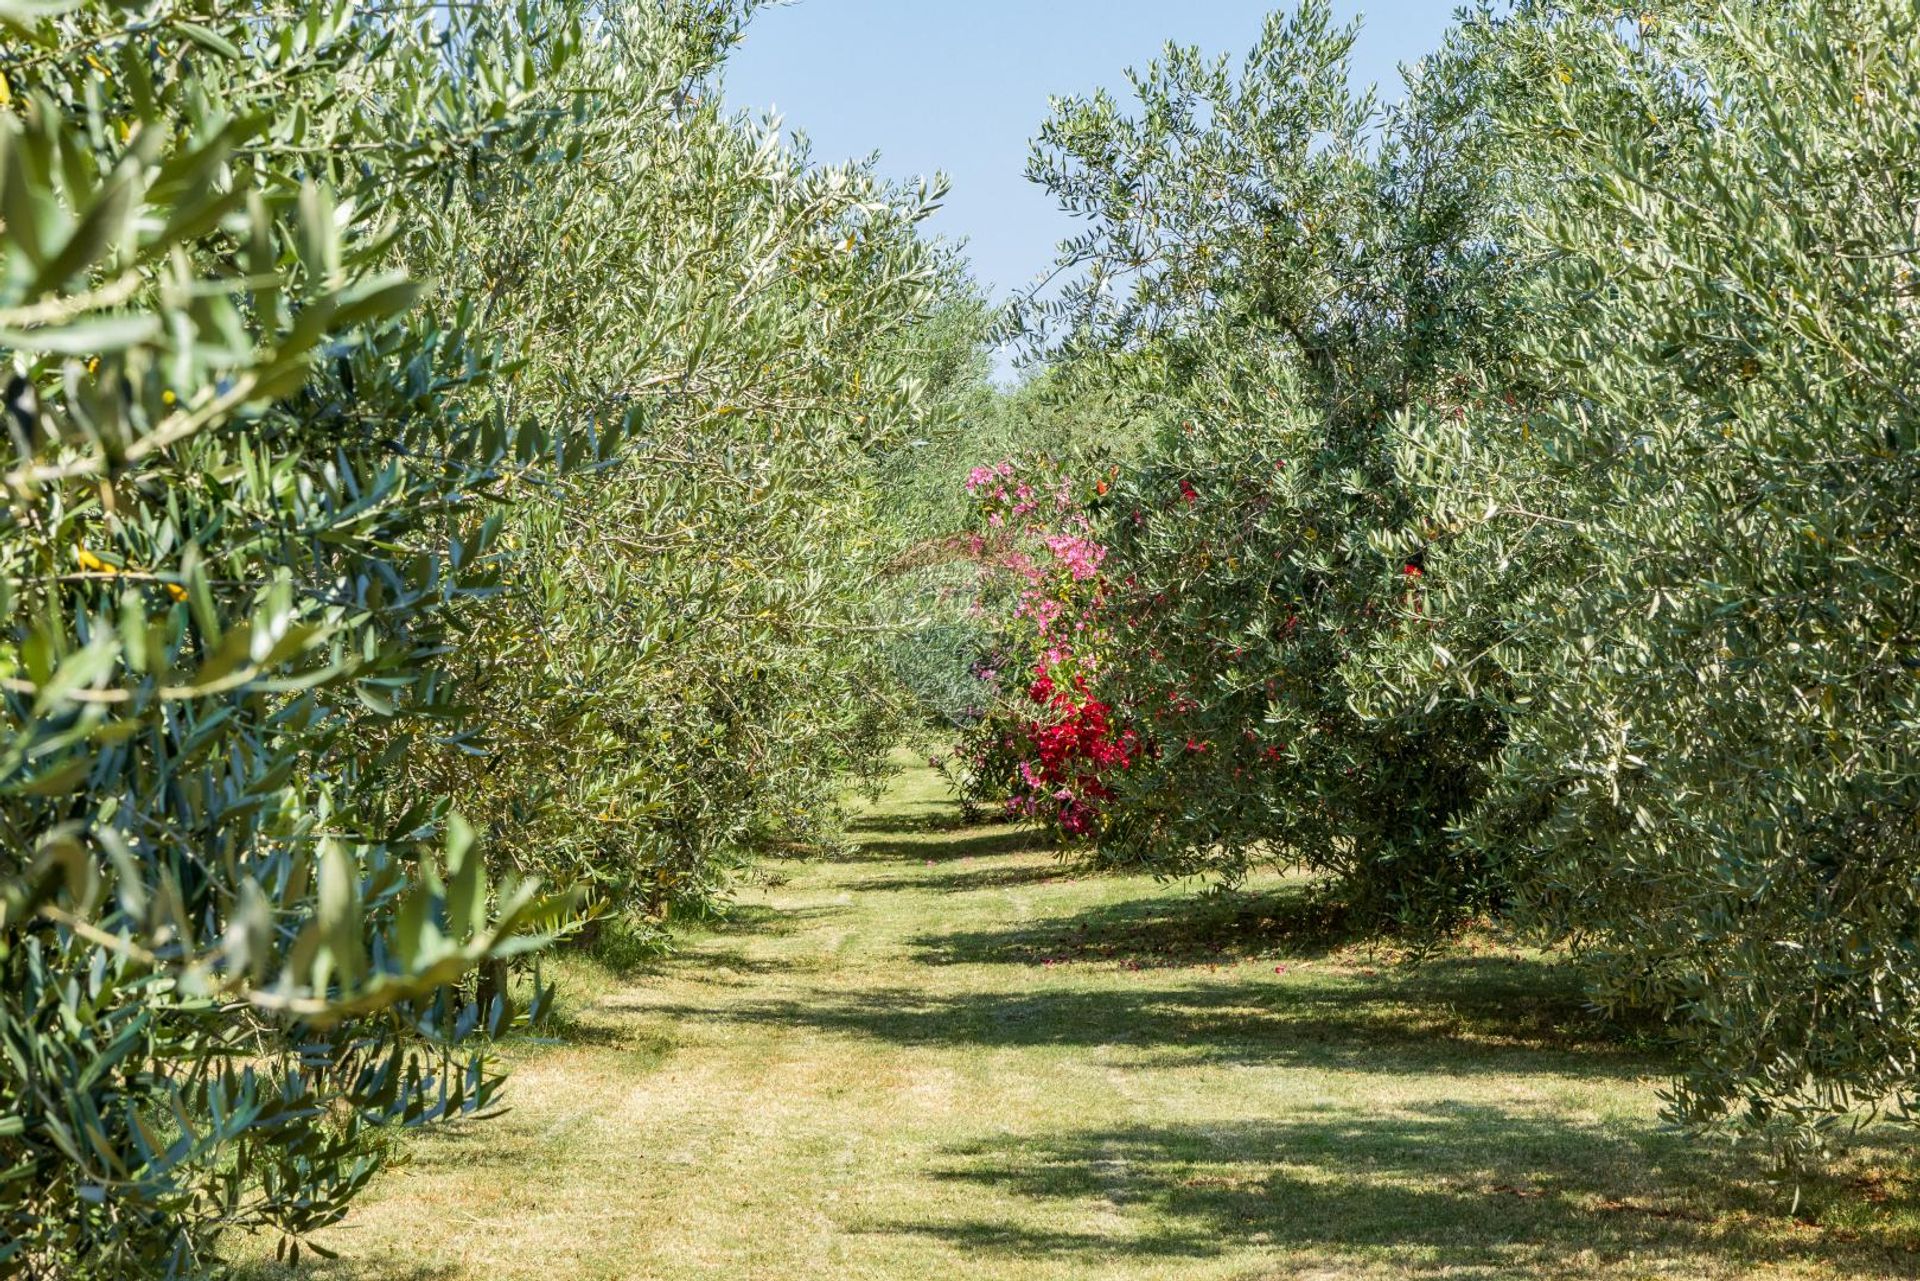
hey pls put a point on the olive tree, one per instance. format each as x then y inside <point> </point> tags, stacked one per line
<point>245,496</point>
<point>683,667</point>
<point>1281,267</point>
<point>1710,785</point>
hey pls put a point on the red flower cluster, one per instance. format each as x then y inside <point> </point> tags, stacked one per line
<point>1075,749</point>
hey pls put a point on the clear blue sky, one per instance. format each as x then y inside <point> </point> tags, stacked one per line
<point>959,86</point>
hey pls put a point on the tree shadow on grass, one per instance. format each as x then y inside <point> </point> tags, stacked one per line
<point>1173,930</point>
<point>968,881</point>
<point>705,964</point>
<point>1465,1019</point>
<point>633,953</point>
<point>930,818</point>
<point>315,1268</point>
<point>586,1025</point>
<point>779,922</point>
<point>980,843</point>
<point>735,970</point>
<point>1440,1189</point>
<point>724,946</point>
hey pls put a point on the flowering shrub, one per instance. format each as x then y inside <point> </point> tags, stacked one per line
<point>1046,746</point>
<point>1070,745</point>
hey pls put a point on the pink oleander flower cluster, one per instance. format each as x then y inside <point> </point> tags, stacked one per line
<point>1081,556</point>
<point>1054,754</point>
<point>1010,496</point>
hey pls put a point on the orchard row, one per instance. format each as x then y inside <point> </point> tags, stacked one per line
<point>438,512</point>
<point>1506,502</point>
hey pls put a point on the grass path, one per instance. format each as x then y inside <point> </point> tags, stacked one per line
<point>943,1057</point>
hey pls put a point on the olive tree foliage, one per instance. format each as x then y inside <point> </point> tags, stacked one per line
<point>924,588</point>
<point>273,501</point>
<point>1560,435</point>
<point>684,667</point>
<point>1711,783</point>
<point>1532,521</point>
<point>1279,267</point>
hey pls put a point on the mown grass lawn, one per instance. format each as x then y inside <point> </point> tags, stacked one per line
<point>945,1057</point>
